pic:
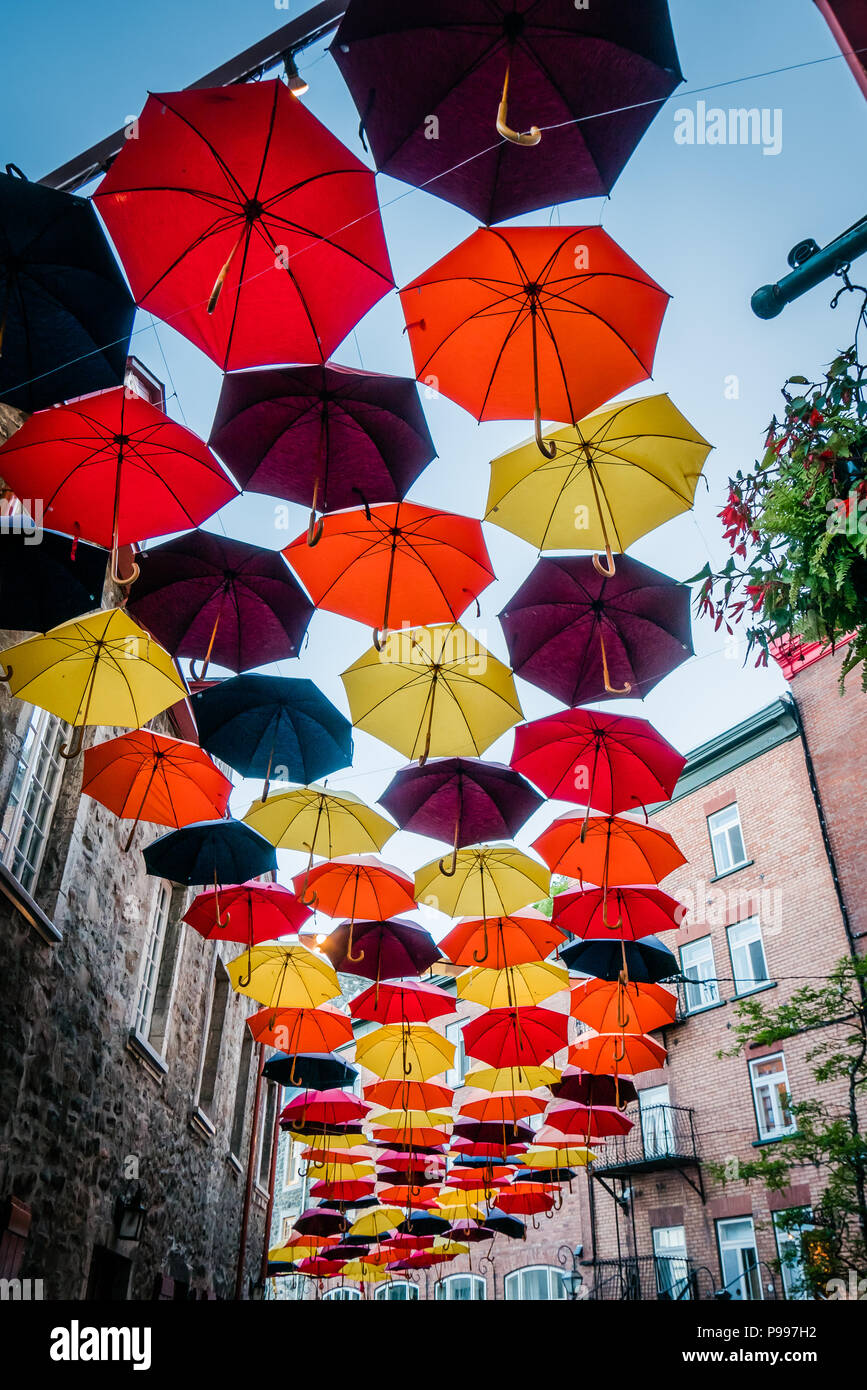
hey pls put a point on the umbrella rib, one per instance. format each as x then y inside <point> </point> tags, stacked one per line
<point>220,162</point>
<point>317,238</point>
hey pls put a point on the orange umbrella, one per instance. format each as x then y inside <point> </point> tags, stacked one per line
<point>161,780</point>
<point>521,323</point>
<point>617,1052</point>
<point>408,1095</point>
<point>394,565</point>
<point>497,942</point>
<point>622,1006</point>
<point>301,1029</point>
<point>490,1109</point>
<point>359,887</point>
<point>420,1137</point>
<point>614,850</point>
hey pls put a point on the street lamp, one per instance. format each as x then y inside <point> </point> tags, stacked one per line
<point>575,1277</point>
<point>129,1216</point>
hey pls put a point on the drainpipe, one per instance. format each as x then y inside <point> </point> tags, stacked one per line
<point>248,1188</point>
<point>272,1183</point>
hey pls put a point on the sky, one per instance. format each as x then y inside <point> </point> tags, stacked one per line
<point>709,222</point>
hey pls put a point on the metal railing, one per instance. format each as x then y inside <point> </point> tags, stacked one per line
<point>671,1278</point>
<point>663,1137</point>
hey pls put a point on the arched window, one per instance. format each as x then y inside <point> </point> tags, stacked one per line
<point>344,1295</point>
<point>461,1287</point>
<point>399,1289</point>
<point>536,1283</point>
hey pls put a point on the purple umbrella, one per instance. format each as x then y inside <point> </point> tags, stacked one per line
<point>463,800</point>
<point>325,436</point>
<point>381,950</point>
<point>222,600</point>
<point>427,81</point>
<point>582,636</point>
<point>321,1221</point>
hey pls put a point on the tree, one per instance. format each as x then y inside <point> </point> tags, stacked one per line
<point>827,1137</point>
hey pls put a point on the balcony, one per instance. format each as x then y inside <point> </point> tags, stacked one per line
<point>663,1137</point>
<point>671,1278</point>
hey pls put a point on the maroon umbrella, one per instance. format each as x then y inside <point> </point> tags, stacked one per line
<point>326,436</point>
<point>582,636</point>
<point>203,596</point>
<point>462,800</point>
<point>484,1132</point>
<point>321,1221</point>
<point>381,950</point>
<point>583,1088</point>
<point>428,79</point>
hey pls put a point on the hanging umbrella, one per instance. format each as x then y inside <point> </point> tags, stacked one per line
<point>413,1052</point>
<point>629,913</point>
<point>394,565</point>
<point>283,977</point>
<point>115,470</point>
<point>512,1036</point>
<point>406,1002</point>
<point>526,323</point>
<point>320,1221</point>
<point>591,82</point>
<point>615,475</point>
<point>621,1006</point>
<point>325,436</point>
<point>65,312</point>
<point>383,950</point>
<point>102,669</point>
<point>43,585</point>
<point>616,1052</point>
<point>262,725</point>
<point>606,850</point>
<point>326,1107</point>
<point>413,1137</point>
<point>486,879</point>
<point>501,1223</point>
<point>252,913</point>
<point>576,1155</point>
<point>422,1223</point>
<point>582,636</point>
<point>461,800</point>
<point>315,1268</point>
<point>587,1121</point>
<point>357,886</point>
<point>525,1200</point>
<point>298,1031</point>
<point>511,1078</point>
<point>150,777</point>
<point>587,1088</point>
<point>410,1120</point>
<point>319,822</point>
<point>501,1107</point>
<point>496,942</point>
<point>205,596</point>
<point>515,984</point>
<point>378,1223</point>
<point>432,690</point>
<point>407,1095</point>
<point>245,224</point>
<point>647,960</point>
<point>322,1070</point>
<point>213,851</point>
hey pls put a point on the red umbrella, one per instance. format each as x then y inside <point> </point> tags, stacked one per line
<point>324,1107</point>
<point>407,1002</point>
<point>516,1036</point>
<point>317,1267</point>
<point>620,1006</point>
<point>587,1121</point>
<point>246,224</point>
<point>624,913</point>
<point>524,1199</point>
<point>252,912</point>
<point>115,470</point>
<point>504,1106</point>
<point>350,1191</point>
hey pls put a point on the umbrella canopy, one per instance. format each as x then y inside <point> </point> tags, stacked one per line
<point>511,1078</point>
<point>150,777</point>
<point>612,761</point>
<point>515,984</point>
<point>394,565</point>
<point>407,1002</point>
<point>524,1199</point>
<point>102,669</point>
<point>616,1052</point>
<point>283,977</point>
<point>381,950</point>
<point>324,436</point>
<point>461,800</point>
<point>115,470</point>
<point>606,850</point>
<point>496,942</point>
<point>318,1268</point>
<point>622,1006</point>
<point>629,913</point>
<point>409,1095</point>
<point>613,477</point>
<point>581,635</point>
<point>298,1031</point>
<point>328,1107</point>
<point>513,1036</point>
<point>252,912</point>
<point>422,1223</point>
<point>486,879</point>
<point>245,224</point>
<point>502,1223</point>
<point>380,1222</point>
<point>322,1070</point>
<point>587,1121</point>
<point>215,851</point>
<point>320,822</point>
<point>321,1221</point>
<point>359,885</point>
<point>526,323</point>
<point>593,83</point>
<point>65,309</point>
<point>585,1088</point>
<point>44,585</point>
<point>273,726</point>
<point>647,961</point>
<point>432,690</point>
<point>205,596</point>
<point>411,1052</point>
<point>499,1107</point>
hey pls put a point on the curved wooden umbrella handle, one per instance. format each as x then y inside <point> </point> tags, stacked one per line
<point>349,955</point>
<point>315,529</point>
<point>448,868</point>
<point>530,137</point>
<point>116,578</point>
<point>608,570</point>
<point>6,674</point>
<point>379,635</point>
<point>72,750</point>
<point>606,676</point>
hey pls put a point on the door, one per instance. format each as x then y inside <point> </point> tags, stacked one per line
<point>739,1259</point>
<point>657,1130</point>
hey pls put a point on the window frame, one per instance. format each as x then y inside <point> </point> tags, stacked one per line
<point>342,1294</point>
<point>720,872</point>
<point>668,1266</point>
<point>745,1274</point>
<point>159,919</point>
<point>39,721</point>
<point>532,1269</point>
<point>477,1281</point>
<point>713,980</point>
<point>384,1293</point>
<point>739,992</point>
<point>783,1132</point>
<point>795,1266</point>
<point>454,1077</point>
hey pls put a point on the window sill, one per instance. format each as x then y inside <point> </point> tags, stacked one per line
<point>261,1193</point>
<point>776,1139</point>
<point>234,1163</point>
<point>28,908</point>
<point>704,1009</point>
<point>735,870</point>
<point>200,1124</point>
<point>756,989</point>
<point>150,1059</point>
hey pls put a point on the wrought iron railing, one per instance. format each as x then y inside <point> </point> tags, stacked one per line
<point>663,1136</point>
<point>634,1278</point>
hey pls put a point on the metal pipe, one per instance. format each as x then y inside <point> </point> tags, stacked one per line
<point>812,266</point>
<point>269,1214</point>
<point>248,1187</point>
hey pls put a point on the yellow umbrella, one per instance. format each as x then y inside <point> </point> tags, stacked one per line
<point>339,1172</point>
<point>459,1203</point>
<point>317,821</point>
<point>411,1119</point>
<point>432,690</point>
<point>363,1273</point>
<point>488,880</point>
<point>515,985</point>
<point>616,475</point>
<point>408,1051</point>
<point>103,669</point>
<point>569,1156</point>
<point>377,1222</point>
<point>326,1142</point>
<point>445,1246</point>
<point>284,977</point>
<point>286,1254</point>
<point>511,1078</point>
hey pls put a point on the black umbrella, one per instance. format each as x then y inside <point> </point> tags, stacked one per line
<point>423,1223</point>
<point>316,1071</point>
<point>44,584</point>
<point>647,961</point>
<point>504,1225</point>
<point>65,311</point>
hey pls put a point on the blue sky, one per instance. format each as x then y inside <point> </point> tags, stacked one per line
<point>709,222</point>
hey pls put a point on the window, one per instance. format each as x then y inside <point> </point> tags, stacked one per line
<point>455,1074</point>
<point>536,1283</point>
<point>739,1259</point>
<point>770,1083</point>
<point>747,950</point>
<point>657,1129</point>
<point>239,1118</point>
<point>399,1289</point>
<point>151,958</point>
<point>214,1038</point>
<point>672,1266</point>
<point>266,1135</point>
<point>789,1228</point>
<point>33,797</point>
<point>340,1295</point>
<point>461,1287</point>
<point>292,1165</point>
<point>698,966</point>
<point>726,839</point>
